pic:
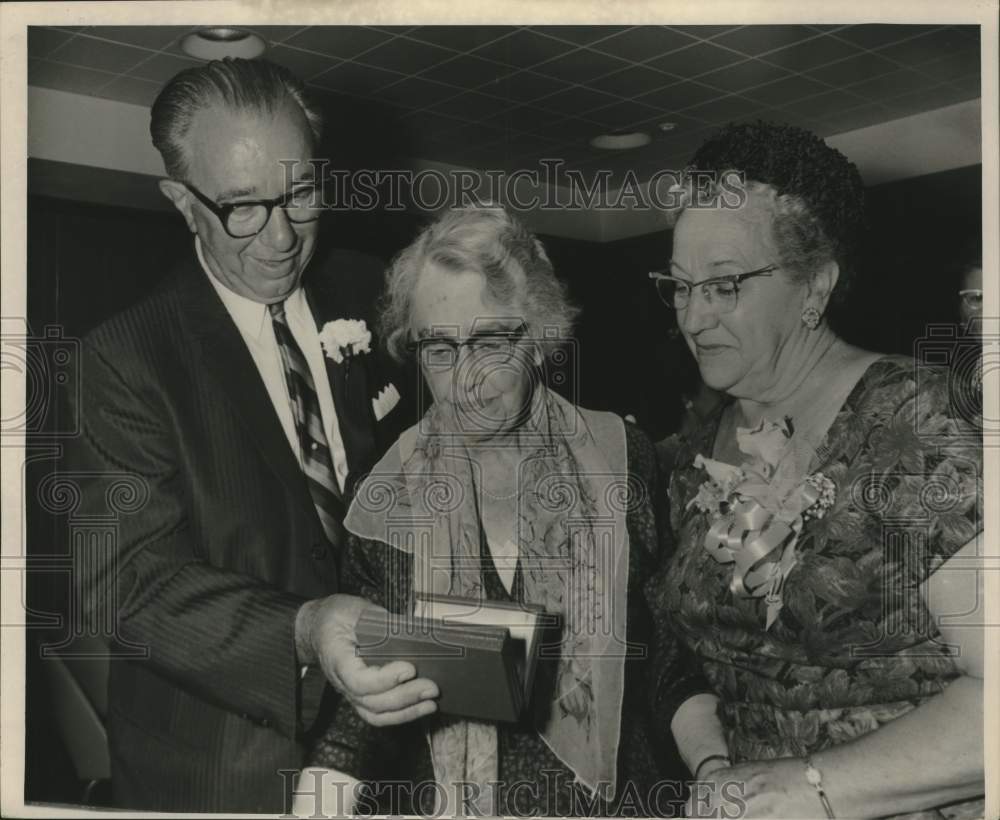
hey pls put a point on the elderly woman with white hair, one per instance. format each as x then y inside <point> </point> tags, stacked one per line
<point>528,477</point>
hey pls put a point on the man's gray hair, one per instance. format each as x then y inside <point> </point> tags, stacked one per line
<point>237,84</point>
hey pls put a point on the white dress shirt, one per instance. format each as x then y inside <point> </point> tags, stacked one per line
<point>253,320</point>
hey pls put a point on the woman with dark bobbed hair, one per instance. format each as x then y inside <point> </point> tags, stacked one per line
<point>821,514</point>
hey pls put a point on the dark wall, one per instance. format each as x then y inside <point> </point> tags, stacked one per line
<point>87,262</point>
<point>918,230</point>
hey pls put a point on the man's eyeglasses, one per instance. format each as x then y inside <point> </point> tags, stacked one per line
<point>442,352</point>
<point>972,298</point>
<point>248,218</point>
<point>720,292</point>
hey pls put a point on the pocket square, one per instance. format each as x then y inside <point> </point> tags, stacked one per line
<point>387,398</point>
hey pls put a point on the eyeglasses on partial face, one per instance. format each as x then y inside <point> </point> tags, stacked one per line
<point>247,218</point>
<point>972,298</point>
<point>721,293</point>
<point>486,346</point>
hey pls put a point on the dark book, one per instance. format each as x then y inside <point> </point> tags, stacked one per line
<point>481,654</point>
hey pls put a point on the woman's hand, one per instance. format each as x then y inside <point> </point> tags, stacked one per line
<point>712,766</point>
<point>764,789</point>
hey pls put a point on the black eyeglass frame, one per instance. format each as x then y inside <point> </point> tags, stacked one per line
<point>223,212</point>
<point>736,279</point>
<point>513,336</point>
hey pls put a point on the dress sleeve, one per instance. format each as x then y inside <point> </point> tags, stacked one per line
<point>926,465</point>
<point>675,676</point>
<point>381,575</point>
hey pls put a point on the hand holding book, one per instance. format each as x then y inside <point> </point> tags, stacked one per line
<point>481,654</point>
<point>382,694</point>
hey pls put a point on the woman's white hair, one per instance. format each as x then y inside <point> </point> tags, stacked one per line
<point>490,241</point>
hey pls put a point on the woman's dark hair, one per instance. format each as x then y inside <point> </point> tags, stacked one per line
<point>240,85</point>
<point>818,194</point>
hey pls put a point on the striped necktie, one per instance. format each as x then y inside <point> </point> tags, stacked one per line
<point>317,464</point>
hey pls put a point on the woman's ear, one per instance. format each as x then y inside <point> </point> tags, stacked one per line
<point>179,198</point>
<point>821,286</point>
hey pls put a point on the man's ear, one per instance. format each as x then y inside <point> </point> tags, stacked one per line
<point>178,196</point>
<point>821,286</point>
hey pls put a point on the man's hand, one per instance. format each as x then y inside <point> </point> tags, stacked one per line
<point>382,695</point>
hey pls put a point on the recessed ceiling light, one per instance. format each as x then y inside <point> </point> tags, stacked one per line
<point>667,126</point>
<point>621,141</point>
<point>217,42</point>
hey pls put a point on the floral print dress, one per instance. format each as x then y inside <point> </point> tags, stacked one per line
<point>854,645</point>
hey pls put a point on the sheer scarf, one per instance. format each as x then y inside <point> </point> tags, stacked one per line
<point>424,498</point>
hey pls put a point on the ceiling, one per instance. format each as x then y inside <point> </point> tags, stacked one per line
<point>507,96</point>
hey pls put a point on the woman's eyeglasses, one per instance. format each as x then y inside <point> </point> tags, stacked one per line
<point>721,293</point>
<point>442,352</point>
<point>245,219</point>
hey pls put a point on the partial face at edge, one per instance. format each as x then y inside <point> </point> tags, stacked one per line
<point>973,280</point>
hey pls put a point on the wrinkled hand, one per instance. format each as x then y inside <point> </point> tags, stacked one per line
<point>762,789</point>
<point>382,695</point>
<point>706,797</point>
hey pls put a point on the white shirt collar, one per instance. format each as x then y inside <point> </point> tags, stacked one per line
<point>251,317</point>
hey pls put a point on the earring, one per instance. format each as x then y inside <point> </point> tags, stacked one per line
<point>810,318</point>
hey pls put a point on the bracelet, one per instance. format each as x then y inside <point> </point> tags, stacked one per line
<point>708,760</point>
<point>815,778</point>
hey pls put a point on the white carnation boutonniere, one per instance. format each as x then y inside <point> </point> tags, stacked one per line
<point>343,339</point>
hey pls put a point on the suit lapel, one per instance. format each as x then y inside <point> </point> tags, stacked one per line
<point>350,389</point>
<point>225,354</point>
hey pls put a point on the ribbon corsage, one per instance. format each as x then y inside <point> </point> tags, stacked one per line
<point>344,339</point>
<point>757,510</point>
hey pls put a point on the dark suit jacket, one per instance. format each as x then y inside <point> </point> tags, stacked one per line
<point>216,542</point>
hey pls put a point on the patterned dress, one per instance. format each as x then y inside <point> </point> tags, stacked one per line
<point>537,783</point>
<point>854,646</point>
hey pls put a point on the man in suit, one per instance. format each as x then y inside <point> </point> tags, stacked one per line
<point>238,438</point>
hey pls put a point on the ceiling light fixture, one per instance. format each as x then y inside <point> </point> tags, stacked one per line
<point>620,141</point>
<point>216,42</point>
